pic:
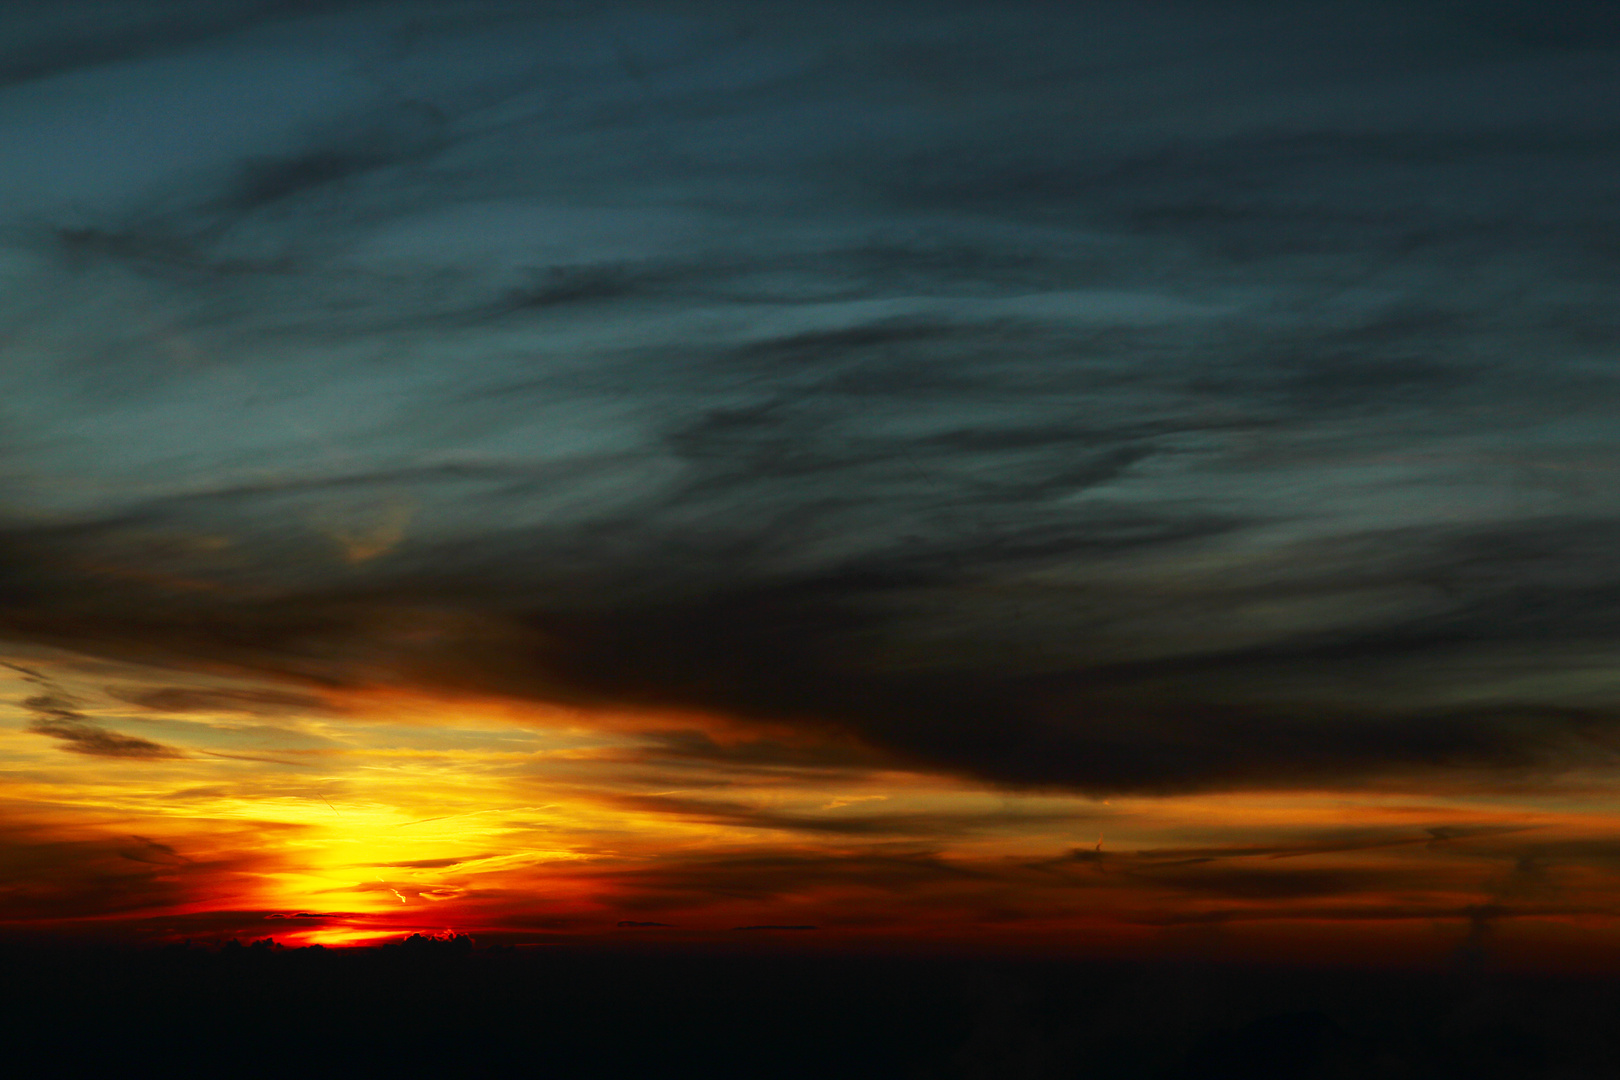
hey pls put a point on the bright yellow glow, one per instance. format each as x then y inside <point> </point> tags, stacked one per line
<point>375,815</point>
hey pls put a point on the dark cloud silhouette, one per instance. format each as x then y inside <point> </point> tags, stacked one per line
<point>190,699</point>
<point>1255,883</point>
<point>1327,843</point>
<point>151,851</point>
<point>55,876</point>
<point>776,875</point>
<point>55,716</point>
<point>1470,915</point>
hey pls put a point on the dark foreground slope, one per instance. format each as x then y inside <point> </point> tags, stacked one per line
<point>443,1011</point>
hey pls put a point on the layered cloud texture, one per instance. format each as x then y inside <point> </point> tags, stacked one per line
<point>1111,400</point>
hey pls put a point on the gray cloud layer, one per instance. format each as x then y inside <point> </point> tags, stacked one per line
<point>1111,395</point>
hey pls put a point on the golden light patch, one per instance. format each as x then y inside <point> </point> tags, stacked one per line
<point>383,811</point>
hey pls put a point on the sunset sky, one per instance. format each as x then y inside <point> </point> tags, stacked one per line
<point>1115,479</point>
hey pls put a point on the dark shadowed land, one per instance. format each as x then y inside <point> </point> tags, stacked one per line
<point>449,1009</point>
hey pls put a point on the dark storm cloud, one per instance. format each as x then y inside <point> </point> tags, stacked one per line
<point>1113,397</point>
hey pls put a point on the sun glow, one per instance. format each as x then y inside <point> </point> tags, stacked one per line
<point>382,814</point>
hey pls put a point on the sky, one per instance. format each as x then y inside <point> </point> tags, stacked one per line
<point>1116,478</point>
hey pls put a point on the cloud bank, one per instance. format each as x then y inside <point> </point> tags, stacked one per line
<point>1113,397</point>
